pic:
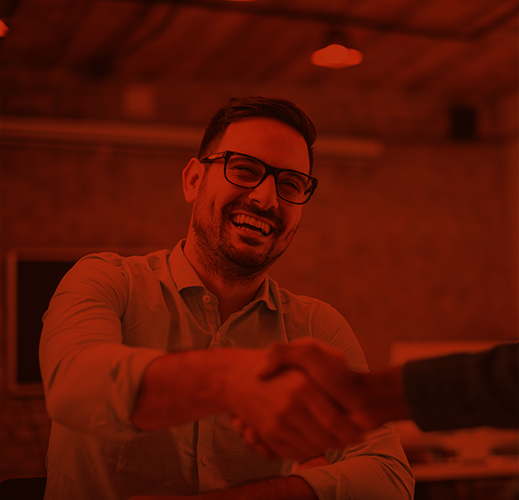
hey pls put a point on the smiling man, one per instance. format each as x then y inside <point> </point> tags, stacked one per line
<point>241,224</point>
<point>150,361</point>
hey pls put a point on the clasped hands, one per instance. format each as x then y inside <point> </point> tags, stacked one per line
<point>298,401</point>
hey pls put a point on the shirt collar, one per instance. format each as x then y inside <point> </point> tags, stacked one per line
<point>183,273</point>
<point>185,276</point>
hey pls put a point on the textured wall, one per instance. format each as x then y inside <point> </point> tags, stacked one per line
<point>413,245</point>
<point>420,243</point>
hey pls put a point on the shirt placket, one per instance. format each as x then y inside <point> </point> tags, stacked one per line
<point>205,454</point>
<point>212,316</point>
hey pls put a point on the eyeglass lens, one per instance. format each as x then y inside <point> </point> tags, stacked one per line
<point>247,172</point>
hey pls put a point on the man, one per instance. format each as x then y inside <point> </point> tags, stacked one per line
<point>146,359</point>
<point>456,391</point>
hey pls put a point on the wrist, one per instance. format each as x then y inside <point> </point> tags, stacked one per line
<point>384,394</point>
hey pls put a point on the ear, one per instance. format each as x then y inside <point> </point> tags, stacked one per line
<point>191,178</point>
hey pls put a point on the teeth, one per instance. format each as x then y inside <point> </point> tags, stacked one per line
<point>251,221</point>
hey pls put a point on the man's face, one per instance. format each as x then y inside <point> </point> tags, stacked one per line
<point>239,231</point>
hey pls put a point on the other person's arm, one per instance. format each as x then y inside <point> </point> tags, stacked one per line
<point>449,392</point>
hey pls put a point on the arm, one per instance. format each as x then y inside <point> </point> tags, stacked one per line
<point>448,392</point>
<point>464,390</point>
<point>96,385</point>
<point>89,376</point>
<point>376,468</point>
<point>370,399</point>
<point>287,488</point>
<point>288,412</point>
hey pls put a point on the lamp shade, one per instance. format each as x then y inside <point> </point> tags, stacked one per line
<point>336,52</point>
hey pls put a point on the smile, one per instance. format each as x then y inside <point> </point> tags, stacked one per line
<point>251,223</point>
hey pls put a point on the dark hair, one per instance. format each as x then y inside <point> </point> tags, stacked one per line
<point>258,107</point>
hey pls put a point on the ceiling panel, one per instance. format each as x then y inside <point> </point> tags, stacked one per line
<point>443,47</point>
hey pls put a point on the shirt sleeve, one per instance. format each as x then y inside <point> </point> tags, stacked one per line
<point>465,390</point>
<point>90,378</point>
<point>374,469</point>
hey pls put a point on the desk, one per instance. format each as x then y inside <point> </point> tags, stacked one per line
<point>470,464</point>
<point>496,478</point>
<point>491,467</point>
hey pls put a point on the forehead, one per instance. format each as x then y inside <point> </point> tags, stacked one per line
<point>274,142</point>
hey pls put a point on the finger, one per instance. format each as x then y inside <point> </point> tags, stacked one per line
<point>333,420</point>
<point>326,367</point>
<point>331,427</point>
<point>251,438</point>
<point>237,423</point>
<point>304,440</point>
<point>321,423</point>
<point>278,358</point>
<point>253,441</point>
<point>301,432</point>
<point>292,445</point>
<point>288,436</point>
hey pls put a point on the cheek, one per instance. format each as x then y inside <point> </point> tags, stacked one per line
<point>292,218</point>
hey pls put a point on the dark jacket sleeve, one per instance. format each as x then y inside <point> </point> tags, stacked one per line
<point>465,390</point>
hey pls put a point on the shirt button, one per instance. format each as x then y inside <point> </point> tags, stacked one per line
<point>205,460</point>
<point>206,299</point>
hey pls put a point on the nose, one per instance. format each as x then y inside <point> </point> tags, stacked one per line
<point>265,194</point>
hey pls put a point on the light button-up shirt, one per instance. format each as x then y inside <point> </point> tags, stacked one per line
<point>110,318</point>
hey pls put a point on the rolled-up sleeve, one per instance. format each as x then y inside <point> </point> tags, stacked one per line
<point>90,377</point>
<point>376,469</point>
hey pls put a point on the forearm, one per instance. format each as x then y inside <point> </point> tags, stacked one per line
<point>285,488</point>
<point>382,395</point>
<point>183,386</point>
<point>465,390</point>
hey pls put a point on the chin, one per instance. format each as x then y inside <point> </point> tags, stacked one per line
<point>253,260</point>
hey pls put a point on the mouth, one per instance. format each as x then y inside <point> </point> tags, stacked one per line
<point>252,224</point>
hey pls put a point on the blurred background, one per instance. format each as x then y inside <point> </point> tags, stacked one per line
<point>413,232</point>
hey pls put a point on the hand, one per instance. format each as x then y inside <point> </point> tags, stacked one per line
<point>368,399</point>
<point>286,413</point>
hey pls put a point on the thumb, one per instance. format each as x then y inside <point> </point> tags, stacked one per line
<point>278,358</point>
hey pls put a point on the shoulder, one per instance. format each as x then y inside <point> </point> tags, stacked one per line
<point>309,307</point>
<point>134,264</point>
<point>151,260</point>
<point>113,270</point>
<point>316,317</point>
<point>310,317</point>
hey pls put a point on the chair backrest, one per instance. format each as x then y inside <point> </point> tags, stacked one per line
<point>26,488</point>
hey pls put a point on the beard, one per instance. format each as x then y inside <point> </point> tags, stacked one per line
<point>217,253</point>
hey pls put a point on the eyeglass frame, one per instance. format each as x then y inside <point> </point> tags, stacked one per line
<point>269,170</point>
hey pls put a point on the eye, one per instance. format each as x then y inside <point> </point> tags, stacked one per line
<point>289,186</point>
<point>292,183</point>
<point>244,170</point>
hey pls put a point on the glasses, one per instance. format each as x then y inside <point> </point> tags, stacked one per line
<point>248,172</point>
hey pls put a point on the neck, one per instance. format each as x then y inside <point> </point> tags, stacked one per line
<point>233,293</point>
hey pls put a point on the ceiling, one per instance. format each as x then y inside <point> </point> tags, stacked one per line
<point>450,48</point>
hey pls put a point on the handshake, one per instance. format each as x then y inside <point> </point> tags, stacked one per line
<point>299,400</point>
